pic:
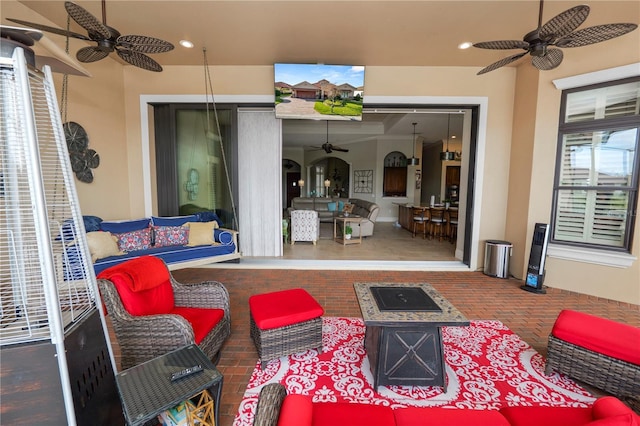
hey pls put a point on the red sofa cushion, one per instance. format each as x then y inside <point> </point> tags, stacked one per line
<point>414,416</point>
<point>610,410</point>
<point>547,416</point>
<point>202,320</point>
<point>599,335</point>
<point>621,420</point>
<point>296,410</point>
<point>282,308</point>
<point>344,413</point>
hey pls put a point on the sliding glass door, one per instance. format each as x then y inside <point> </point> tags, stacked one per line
<point>195,157</point>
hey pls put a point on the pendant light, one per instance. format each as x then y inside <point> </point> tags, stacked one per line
<point>446,155</point>
<point>413,161</point>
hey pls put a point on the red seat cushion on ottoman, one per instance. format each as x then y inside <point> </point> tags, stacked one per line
<point>601,335</point>
<point>282,308</point>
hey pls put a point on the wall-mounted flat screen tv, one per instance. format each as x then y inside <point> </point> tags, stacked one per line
<point>319,92</point>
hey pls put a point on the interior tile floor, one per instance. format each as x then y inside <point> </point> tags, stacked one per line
<point>478,296</point>
<point>388,243</point>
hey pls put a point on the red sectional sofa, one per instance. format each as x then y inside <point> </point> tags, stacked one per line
<point>276,408</point>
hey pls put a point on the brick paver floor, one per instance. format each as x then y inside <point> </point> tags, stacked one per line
<point>478,296</point>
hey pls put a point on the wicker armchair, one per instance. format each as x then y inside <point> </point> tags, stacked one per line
<point>142,338</point>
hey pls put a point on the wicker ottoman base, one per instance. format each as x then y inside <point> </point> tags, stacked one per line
<point>611,375</point>
<point>287,340</point>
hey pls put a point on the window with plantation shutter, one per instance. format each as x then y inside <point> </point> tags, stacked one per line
<point>596,184</point>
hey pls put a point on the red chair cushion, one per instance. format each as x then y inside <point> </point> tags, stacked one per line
<point>202,320</point>
<point>547,416</point>
<point>282,308</point>
<point>327,413</point>
<point>157,300</point>
<point>296,410</point>
<point>599,335</point>
<point>144,285</point>
<point>414,416</point>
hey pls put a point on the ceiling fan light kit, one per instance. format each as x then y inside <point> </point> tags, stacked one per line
<point>558,32</point>
<point>130,48</point>
<point>448,155</point>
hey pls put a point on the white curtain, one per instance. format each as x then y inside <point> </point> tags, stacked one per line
<point>259,193</point>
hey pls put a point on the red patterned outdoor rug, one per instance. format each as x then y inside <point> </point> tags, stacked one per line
<point>487,367</point>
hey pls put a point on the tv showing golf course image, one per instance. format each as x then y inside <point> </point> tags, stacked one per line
<point>318,91</point>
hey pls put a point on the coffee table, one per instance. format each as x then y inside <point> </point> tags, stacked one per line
<point>344,221</point>
<point>403,337</point>
<point>147,390</point>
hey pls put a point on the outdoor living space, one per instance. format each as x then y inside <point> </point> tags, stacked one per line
<point>479,297</point>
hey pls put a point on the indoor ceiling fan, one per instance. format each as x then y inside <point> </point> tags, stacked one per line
<point>558,32</point>
<point>328,147</point>
<point>131,48</point>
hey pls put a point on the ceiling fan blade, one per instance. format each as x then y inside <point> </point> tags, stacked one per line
<point>92,54</point>
<point>501,63</point>
<point>140,60</point>
<point>337,148</point>
<point>549,61</point>
<point>144,44</point>
<point>502,44</point>
<point>564,23</point>
<point>595,34</point>
<point>86,20</point>
<point>49,29</point>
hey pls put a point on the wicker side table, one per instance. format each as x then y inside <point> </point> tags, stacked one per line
<point>146,390</point>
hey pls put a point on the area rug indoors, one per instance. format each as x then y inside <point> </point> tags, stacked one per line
<point>487,367</point>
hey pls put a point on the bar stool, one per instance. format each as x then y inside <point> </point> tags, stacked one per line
<point>420,219</point>
<point>453,224</point>
<point>436,221</point>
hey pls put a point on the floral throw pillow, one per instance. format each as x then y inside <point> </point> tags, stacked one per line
<point>134,240</point>
<point>166,236</point>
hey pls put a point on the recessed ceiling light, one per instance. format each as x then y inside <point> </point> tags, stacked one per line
<point>465,45</point>
<point>186,43</point>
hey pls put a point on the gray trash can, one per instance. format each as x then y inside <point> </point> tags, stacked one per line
<point>496,258</point>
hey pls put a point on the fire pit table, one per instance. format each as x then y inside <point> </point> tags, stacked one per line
<point>403,332</point>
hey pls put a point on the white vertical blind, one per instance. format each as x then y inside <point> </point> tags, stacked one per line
<point>259,160</point>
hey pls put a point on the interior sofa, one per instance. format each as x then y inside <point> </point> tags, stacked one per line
<point>328,208</point>
<point>180,241</point>
<point>276,408</point>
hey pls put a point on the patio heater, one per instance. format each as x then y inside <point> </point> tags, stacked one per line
<point>57,365</point>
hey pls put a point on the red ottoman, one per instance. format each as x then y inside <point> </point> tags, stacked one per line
<point>596,351</point>
<point>285,322</point>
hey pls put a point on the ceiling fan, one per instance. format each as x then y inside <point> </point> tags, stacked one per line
<point>558,32</point>
<point>49,52</point>
<point>328,147</point>
<point>131,48</point>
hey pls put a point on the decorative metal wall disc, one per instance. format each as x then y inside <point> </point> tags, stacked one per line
<point>82,158</point>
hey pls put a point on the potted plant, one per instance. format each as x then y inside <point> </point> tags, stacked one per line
<point>347,232</point>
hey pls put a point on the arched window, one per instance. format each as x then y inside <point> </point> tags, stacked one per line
<point>395,175</point>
